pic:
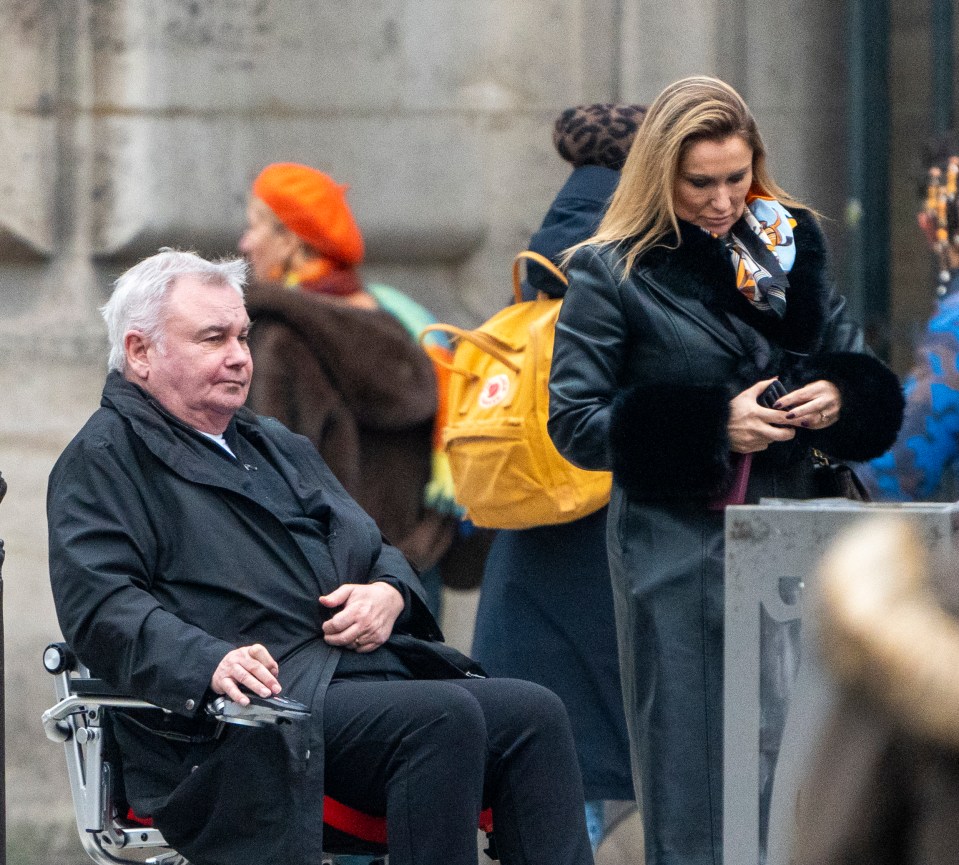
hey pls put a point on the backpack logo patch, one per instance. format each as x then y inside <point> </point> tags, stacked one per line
<point>495,390</point>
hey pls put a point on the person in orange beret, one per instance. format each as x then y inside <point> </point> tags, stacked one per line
<point>322,341</point>
<point>301,232</point>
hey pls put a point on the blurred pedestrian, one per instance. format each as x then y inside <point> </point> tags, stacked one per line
<point>704,283</point>
<point>921,463</point>
<point>882,787</point>
<point>338,362</point>
<point>546,606</point>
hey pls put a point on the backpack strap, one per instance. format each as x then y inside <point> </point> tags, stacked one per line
<point>542,261</point>
<point>483,341</point>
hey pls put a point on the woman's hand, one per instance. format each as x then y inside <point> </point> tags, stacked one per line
<point>367,616</point>
<point>813,406</point>
<point>753,428</point>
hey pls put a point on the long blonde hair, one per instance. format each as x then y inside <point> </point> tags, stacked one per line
<point>641,214</point>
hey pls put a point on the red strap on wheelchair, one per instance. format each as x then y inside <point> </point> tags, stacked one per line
<point>140,821</point>
<point>366,827</point>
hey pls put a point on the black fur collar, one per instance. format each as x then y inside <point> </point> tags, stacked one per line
<point>701,268</point>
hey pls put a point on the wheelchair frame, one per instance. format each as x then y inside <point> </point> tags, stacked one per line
<point>77,721</point>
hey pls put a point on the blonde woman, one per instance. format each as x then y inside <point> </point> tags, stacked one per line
<point>704,284</point>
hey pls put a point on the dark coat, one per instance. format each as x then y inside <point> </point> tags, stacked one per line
<point>353,382</point>
<point>573,216</point>
<point>161,562</point>
<point>643,371</point>
<point>551,584</point>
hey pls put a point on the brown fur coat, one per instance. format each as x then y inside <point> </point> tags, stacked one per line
<point>353,382</point>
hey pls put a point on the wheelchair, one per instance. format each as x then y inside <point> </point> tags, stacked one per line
<point>109,832</point>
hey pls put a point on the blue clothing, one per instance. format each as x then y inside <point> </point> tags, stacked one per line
<point>928,443</point>
<point>573,216</point>
<point>546,608</point>
<point>546,615</point>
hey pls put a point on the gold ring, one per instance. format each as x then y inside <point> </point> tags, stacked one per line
<point>822,416</point>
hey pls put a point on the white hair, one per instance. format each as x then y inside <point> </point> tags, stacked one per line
<point>140,294</point>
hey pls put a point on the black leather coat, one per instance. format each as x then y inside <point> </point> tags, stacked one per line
<point>644,367</point>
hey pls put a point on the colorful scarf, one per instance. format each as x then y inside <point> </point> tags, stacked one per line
<point>763,250</point>
<point>324,276</point>
<point>439,493</point>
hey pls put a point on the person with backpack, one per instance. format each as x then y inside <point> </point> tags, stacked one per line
<point>704,283</point>
<point>546,608</point>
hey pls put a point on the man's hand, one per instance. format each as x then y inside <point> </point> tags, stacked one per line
<point>366,619</point>
<point>250,666</point>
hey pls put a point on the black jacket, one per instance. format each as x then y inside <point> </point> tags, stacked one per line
<point>644,367</point>
<point>162,560</point>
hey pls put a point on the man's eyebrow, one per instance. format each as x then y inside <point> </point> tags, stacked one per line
<point>211,329</point>
<point>217,329</point>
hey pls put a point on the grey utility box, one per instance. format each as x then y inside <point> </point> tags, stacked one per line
<point>776,695</point>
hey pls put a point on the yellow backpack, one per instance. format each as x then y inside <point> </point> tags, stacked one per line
<point>507,473</point>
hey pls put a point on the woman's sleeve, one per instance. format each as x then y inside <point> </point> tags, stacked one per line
<point>640,430</point>
<point>872,401</point>
<point>588,357</point>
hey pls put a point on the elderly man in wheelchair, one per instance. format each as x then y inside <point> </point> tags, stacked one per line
<point>202,556</point>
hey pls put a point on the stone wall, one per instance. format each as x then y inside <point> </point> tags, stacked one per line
<point>130,124</point>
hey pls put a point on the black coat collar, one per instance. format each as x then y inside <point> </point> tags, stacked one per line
<point>185,451</point>
<point>696,265</point>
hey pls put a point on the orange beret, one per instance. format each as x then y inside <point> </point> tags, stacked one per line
<point>311,205</point>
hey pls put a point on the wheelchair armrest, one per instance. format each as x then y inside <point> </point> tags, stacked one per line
<point>79,692</point>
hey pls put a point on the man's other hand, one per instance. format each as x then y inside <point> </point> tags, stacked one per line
<point>367,616</point>
<point>250,666</point>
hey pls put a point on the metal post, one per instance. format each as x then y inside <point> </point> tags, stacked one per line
<point>869,125</point>
<point>3,750</point>
<point>940,22</point>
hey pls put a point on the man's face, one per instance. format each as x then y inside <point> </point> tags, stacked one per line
<point>200,368</point>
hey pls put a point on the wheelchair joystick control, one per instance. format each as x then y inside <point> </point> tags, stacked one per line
<point>57,658</point>
<point>260,711</point>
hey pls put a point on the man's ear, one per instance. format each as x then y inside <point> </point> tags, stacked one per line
<point>135,346</point>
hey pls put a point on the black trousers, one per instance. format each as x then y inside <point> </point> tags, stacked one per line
<point>431,754</point>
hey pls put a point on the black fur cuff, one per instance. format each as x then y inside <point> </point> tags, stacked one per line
<point>872,404</point>
<point>670,442</point>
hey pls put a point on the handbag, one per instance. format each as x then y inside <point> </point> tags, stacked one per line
<point>735,494</point>
<point>833,479</point>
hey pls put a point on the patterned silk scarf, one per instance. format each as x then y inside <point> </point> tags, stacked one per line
<point>762,249</point>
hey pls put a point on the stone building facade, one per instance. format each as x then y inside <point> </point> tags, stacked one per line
<point>126,125</point>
